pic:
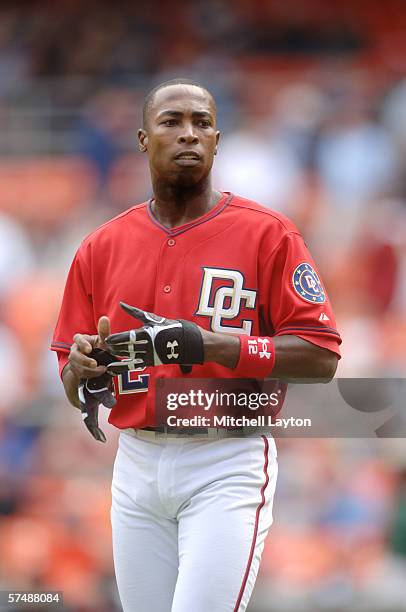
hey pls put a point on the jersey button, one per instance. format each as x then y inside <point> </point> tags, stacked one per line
<point>171,242</point>
<point>167,289</point>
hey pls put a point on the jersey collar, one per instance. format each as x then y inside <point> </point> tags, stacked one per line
<point>213,212</point>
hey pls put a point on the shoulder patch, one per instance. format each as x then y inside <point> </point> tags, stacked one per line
<point>307,284</point>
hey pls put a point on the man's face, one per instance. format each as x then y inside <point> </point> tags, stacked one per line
<point>180,136</point>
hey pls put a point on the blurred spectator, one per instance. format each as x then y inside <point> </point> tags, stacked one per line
<point>398,530</point>
<point>17,257</point>
<point>107,129</point>
<point>14,59</point>
<point>251,164</point>
<point>355,156</point>
<point>12,385</point>
<point>394,116</point>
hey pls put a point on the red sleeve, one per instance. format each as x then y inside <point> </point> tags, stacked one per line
<point>299,303</point>
<point>76,314</point>
<point>62,360</point>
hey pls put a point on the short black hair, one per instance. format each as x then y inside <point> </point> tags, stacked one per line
<point>149,98</point>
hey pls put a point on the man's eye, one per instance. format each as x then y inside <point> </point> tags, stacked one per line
<point>204,123</point>
<point>169,122</point>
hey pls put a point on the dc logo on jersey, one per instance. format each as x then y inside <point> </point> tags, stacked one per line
<point>307,284</point>
<point>222,296</point>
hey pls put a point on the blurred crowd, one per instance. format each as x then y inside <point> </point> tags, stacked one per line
<point>312,109</point>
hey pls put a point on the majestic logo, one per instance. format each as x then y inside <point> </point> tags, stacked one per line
<point>307,284</point>
<point>171,346</point>
<point>222,296</point>
<point>253,347</point>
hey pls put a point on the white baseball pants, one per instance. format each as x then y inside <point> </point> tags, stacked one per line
<point>189,519</point>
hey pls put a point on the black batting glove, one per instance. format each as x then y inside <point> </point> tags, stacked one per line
<point>159,341</point>
<point>93,392</point>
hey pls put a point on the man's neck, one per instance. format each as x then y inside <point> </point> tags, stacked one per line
<point>174,206</point>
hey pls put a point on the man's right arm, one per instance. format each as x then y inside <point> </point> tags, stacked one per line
<point>71,384</point>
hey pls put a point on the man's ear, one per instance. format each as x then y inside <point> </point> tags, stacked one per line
<point>217,142</point>
<point>142,140</point>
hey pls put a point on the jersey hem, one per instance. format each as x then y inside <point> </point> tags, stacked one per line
<point>310,329</point>
<point>60,346</point>
<point>328,342</point>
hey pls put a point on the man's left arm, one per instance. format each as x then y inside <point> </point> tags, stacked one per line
<point>294,357</point>
<point>165,341</point>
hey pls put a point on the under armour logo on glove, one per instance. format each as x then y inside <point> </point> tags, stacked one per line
<point>172,346</point>
<point>159,341</point>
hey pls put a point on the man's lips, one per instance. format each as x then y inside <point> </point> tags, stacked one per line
<point>188,155</point>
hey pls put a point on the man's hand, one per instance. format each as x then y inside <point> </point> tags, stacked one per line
<point>159,341</point>
<point>80,364</point>
<point>85,378</point>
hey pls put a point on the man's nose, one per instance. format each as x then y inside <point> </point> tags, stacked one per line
<point>188,135</point>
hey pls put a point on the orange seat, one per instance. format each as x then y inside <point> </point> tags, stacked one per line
<point>30,311</point>
<point>44,189</point>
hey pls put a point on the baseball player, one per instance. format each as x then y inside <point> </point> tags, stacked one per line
<point>205,279</point>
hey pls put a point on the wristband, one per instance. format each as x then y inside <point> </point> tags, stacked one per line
<point>257,357</point>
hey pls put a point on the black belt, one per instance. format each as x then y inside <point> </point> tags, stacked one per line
<point>182,431</point>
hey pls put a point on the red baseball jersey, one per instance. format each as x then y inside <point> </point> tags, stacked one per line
<point>241,269</point>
